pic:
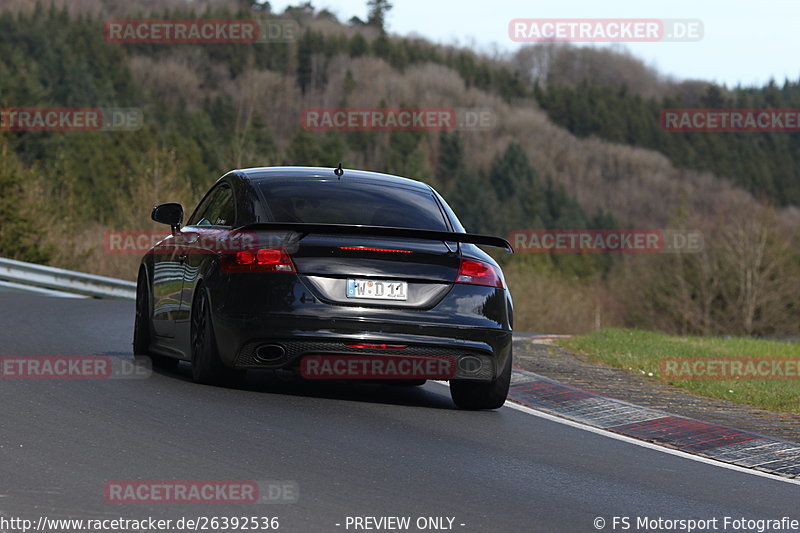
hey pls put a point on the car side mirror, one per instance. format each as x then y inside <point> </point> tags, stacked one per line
<point>169,213</point>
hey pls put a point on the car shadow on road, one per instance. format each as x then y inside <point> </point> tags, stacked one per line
<point>284,383</point>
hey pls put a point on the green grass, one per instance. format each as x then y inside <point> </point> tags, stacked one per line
<point>641,352</point>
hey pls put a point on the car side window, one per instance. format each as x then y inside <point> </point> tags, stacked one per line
<point>216,210</point>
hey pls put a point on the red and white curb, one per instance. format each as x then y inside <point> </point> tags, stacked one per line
<point>720,443</point>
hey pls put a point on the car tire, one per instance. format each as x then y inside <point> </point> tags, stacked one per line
<point>475,395</point>
<point>207,367</point>
<point>142,328</point>
<point>141,325</point>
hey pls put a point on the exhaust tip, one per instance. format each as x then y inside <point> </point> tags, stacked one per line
<point>270,353</point>
<point>470,365</point>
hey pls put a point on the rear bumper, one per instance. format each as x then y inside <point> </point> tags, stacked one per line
<point>477,353</point>
<point>470,324</point>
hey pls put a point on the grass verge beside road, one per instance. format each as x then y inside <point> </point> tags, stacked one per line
<point>643,352</point>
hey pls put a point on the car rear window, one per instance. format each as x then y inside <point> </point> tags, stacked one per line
<point>350,202</point>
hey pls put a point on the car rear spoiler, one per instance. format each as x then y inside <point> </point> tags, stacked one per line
<point>381,231</point>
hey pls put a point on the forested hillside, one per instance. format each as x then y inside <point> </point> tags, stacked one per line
<point>764,163</point>
<point>565,151</point>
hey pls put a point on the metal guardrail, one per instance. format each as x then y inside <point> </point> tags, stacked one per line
<point>66,280</point>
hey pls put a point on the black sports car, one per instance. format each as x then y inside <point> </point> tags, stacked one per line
<point>339,274</point>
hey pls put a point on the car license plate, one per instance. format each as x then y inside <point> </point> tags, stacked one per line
<point>377,289</point>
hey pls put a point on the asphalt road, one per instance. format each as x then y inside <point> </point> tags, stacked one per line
<point>366,450</point>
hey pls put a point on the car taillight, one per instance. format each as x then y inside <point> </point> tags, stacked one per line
<point>479,273</point>
<point>262,260</point>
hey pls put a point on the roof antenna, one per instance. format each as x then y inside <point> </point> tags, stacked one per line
<point>338,171</point>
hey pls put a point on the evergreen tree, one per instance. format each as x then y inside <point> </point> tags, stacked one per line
<point>358,46</point>
<point>450,164</point>
<point>378,9</point>
<point>20,235</point>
